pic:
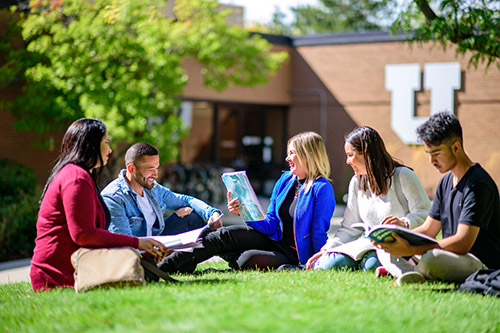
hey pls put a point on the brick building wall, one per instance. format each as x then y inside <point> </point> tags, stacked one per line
<point>354,75</point>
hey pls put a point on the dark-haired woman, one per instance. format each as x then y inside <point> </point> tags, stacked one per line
<point>381,191</point>
<point>72,213</point>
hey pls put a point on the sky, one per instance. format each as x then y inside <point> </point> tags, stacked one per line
<point>261,11</point>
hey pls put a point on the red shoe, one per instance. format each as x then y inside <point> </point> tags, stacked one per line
<point>381,271</point>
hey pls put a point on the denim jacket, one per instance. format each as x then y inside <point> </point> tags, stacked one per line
<point>313,213</point>
<point>126,214</point>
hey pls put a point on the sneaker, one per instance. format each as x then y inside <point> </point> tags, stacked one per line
<point>409,277</point>
<point>289,267</point>
<point>215,270</point>
<point>381,271</point>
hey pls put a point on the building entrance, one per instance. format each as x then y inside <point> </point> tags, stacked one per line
<point>238,137</point>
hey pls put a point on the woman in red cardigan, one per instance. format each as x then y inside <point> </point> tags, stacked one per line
<point>72,213</point>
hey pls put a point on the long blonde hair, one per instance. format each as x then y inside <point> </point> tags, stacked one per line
<point>311,152</point>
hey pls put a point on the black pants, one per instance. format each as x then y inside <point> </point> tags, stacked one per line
<point>249,248</point>
<point>175,225</point>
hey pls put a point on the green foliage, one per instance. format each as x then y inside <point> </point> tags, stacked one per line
<point>18,212</point>
<point>121,61</point>
<point>18,227</point>
<point>472,26</point>
<point>310,301</point>
<point>16,179</point>
<point>334,16</point>
<point>341,16</point>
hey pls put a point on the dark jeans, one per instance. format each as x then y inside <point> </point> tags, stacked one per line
<point>175,225</point>
<point>252,249</point>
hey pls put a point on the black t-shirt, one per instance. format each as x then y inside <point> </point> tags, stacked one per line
<point>474,201</point>
<point>287,214</point>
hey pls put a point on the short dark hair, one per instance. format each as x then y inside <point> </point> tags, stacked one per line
<point>440,127</point>
<point>380,165</point>
<point>138,150</point>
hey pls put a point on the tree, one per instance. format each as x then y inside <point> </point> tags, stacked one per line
<point>337,16</point>
<point>276,26</point>
<point>121,61</point>
<point>471,25</point>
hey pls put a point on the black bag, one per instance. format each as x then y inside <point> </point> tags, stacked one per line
<point>152,273</point>
<point>484,282</point>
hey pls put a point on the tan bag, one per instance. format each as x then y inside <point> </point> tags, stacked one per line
<point>107,267</point>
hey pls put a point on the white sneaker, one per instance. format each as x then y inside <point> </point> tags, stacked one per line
<point>410,277</point>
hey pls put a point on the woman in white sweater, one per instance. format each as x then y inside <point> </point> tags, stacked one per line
<point>382,190</point>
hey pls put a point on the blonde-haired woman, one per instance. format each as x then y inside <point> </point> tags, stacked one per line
<point>296,223</point>
<point>311,154</point>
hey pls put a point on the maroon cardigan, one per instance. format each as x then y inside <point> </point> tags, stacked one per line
<point>71,216</point>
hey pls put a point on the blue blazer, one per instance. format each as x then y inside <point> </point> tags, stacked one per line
<point>313,213</point>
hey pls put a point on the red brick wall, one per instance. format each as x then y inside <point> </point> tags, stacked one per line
<point>354,75</point>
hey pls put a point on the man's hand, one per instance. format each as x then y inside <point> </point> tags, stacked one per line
<point>217,224</point>
<point>233,205</point>
<point>399,248</point>
<point>181,212</point>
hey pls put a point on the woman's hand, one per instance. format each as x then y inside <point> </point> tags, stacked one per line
<point>217,224</point>
<point>394,220</point>
<point>154,248</point>
<point>313,258</point>
<point>233,205</point>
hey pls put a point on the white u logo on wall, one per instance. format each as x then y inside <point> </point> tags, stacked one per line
<point>403,80</point>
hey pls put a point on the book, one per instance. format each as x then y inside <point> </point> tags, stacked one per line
<point>355,249</point>
<point>186,241</point>
<point>383,233</point>
<point>238,184</point>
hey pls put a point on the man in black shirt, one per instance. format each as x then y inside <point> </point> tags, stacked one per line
<point>466,209</point>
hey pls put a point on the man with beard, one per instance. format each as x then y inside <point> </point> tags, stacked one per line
<point>466,209</point>
<point>137,203</point>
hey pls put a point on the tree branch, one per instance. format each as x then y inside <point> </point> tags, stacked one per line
<point>424,7</point>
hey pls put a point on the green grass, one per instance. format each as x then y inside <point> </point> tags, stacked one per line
<point>310,301</point>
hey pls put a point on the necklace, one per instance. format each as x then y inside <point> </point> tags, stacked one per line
<point>298,186</point>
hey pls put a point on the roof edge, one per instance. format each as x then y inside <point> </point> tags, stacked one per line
<point>363,37</point>
<point>348,38</point>
<point>275,39</point>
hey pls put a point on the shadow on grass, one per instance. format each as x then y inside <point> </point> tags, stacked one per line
<point>210,281</point>
<point>201,278</point>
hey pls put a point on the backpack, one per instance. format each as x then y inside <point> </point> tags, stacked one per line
<point>484,282</point>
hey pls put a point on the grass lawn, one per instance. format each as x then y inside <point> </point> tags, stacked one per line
<point>304,301</point>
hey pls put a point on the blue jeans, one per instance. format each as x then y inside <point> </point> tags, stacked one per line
<point>334,260</point>
<point>175,225</point>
